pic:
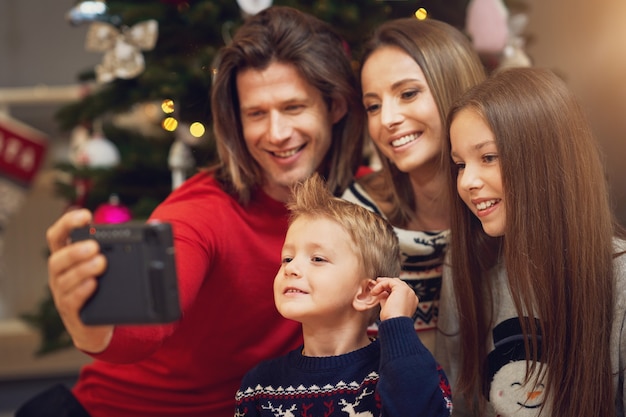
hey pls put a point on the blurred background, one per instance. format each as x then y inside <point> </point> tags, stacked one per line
<point>100,107</point>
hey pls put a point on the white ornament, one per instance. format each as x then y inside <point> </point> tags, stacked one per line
<point>98,152</point>
<point>87,11</point>
<point>122,49</point>
<point>514,54</point>
<point>252,7</point>
<point>180,161</point>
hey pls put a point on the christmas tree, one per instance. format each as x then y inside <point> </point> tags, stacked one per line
<point>153,85</point>
<point>176,69</point>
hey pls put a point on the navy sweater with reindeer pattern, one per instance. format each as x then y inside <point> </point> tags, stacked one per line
<point>395,375</point>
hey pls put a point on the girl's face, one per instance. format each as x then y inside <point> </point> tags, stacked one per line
<point>479,180</point>
<point>402,116</point>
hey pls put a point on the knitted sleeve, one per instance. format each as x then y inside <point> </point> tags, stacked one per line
<point>411,382</point>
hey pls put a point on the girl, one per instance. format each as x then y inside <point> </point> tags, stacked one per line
<point>535,255</point>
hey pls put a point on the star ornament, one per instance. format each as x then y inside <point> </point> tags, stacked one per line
<point>122,48</point>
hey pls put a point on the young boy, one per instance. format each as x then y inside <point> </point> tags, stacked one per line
<point>333,258</point>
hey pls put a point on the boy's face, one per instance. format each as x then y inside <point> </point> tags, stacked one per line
<point>320,274</point>
<point>287,125</point>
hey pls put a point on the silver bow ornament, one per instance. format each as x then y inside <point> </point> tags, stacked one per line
<point>122,48</point>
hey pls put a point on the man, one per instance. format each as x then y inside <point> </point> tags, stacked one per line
<point>280,104</point>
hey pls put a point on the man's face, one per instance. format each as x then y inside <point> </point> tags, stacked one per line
<point>286,125</point>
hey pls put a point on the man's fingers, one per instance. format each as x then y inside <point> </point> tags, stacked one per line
<point>57,235</point>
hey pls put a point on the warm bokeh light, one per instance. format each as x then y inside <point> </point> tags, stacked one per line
<point>151,110</point>
<point>167,106</point>
<point>421,13</point>
<point>197,129</point>
<point>170,124</point>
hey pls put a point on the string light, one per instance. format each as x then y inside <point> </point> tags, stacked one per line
<point>170,124</point>
<point>197,129</point>
<point>421,13</point>
<point>167,106</point>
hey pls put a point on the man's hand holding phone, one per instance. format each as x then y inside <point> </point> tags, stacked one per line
<point>73,269</point>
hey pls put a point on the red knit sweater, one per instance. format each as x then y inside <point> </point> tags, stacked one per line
<point>227,256</point>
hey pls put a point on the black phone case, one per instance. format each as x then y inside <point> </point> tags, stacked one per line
<point>139,285</point>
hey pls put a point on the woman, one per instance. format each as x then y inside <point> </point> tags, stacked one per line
<point>536,261</point>
<point>406,103</point>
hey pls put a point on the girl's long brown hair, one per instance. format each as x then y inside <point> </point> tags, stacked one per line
<point>557,248</point>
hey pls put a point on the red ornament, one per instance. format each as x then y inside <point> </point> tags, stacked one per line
<point>22,150</point>
<point>112,212</point>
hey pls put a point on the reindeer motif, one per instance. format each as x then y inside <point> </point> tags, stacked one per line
<point>349,407</point>
<point>278,412</point>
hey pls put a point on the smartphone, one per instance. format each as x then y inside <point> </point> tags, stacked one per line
<point>140,285</point>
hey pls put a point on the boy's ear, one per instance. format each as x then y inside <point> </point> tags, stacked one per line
<point>364,300</point>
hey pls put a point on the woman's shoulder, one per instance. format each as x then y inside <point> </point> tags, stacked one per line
<point>371,192</point>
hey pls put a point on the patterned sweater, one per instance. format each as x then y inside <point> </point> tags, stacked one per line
<point>511,371</point>
<point>422,263</point>
<point>395,375</point>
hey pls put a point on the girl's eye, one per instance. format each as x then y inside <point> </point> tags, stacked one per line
<point>490,158</point>
<point>286,259</point>
<point>318,259</point>
<point>459,165</point>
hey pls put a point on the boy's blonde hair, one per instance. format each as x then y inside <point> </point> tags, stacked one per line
<point>374,238</point>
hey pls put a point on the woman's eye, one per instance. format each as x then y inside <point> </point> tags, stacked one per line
<point>372,108</point>
<point>409,94</point>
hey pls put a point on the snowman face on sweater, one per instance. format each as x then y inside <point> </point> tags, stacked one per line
<point>512,397</point>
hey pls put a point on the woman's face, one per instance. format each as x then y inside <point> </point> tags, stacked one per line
<point>402,116</point>
<point>479,180</point>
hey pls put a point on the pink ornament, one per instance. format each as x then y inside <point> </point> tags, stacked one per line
<point>487,25</point>
<point>112,212</point>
